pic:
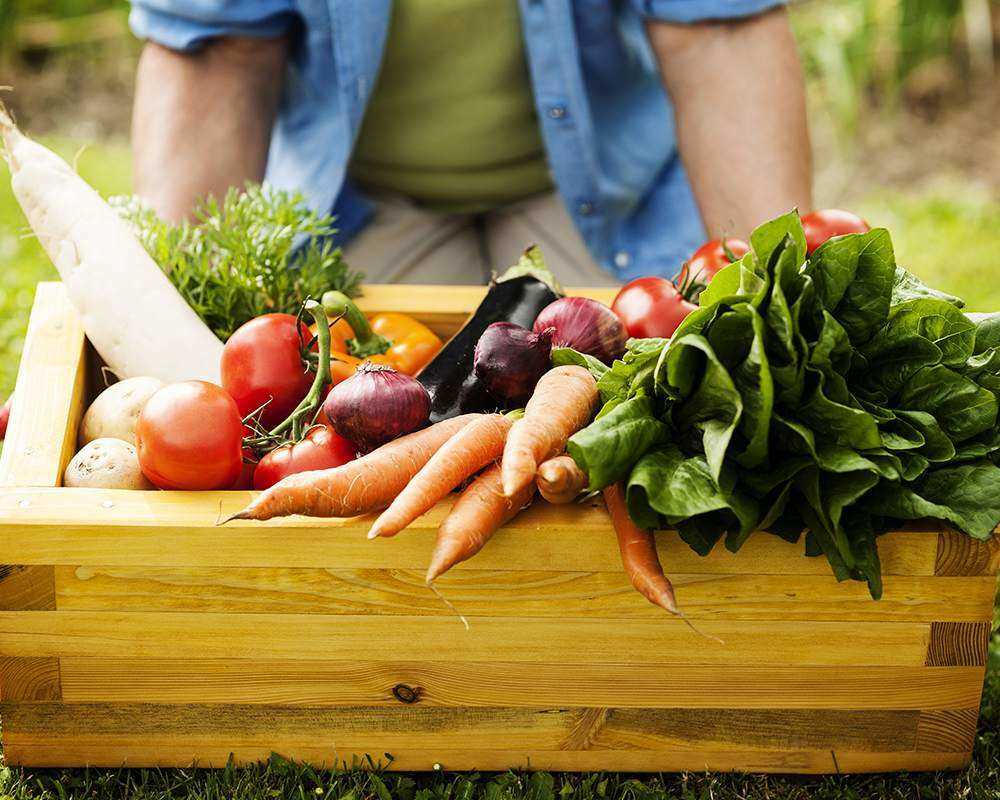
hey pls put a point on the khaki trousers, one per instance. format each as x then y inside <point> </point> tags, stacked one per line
<point>405,243</point>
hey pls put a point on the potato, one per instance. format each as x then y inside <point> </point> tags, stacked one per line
<point>114,413</point>
<point>106,464</point>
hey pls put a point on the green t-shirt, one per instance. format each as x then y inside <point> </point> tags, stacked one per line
<point>451,122</point>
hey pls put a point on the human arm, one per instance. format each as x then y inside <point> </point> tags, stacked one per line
<point>738,92</point>
<point>202,120</point>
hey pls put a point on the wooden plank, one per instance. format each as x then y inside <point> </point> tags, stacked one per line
<point>29,680</point>
<point>41,437</point>
<point>959,554</point>
<point>111,634</point>
<point>951,730</point>
<point>492,683</point>
<point>383,729</point>
<point>958,644</point>
<point>445,311</point>
<point>519,594</point>
<point>103,752</point>
<point>95,527</point>
<point>31,588</point>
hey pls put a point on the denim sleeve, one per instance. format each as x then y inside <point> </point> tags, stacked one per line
<point>187,24</point>
<point>699,10</point>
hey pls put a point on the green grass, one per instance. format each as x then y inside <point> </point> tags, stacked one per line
<point>946,235</point>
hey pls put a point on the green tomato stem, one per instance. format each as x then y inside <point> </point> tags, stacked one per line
<point>305,412</point>
<point>365,342</point>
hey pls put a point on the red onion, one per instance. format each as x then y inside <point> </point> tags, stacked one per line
<point>585,325</point>
<point>510,359</point>
<point>375,405</point>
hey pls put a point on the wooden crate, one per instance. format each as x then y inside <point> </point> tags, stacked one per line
<point>135,629</point>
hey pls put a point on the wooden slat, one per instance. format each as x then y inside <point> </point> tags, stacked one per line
<point>120,528</point>
<point>947,730</point>
<point>383,729</point>
<point>492,683</point>
<point>959,554</point>
<point>666,640</point>
<point>41,437</point>
<point>445,311</point>
<point>31,588</point>
<point>958,644</point>
<point>29,680</point>
<point>106,752</point>
<point>519,594</point>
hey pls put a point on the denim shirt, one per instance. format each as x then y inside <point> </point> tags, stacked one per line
<point>606,121</point>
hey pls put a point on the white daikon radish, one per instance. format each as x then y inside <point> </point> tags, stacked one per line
<point>131,312</point>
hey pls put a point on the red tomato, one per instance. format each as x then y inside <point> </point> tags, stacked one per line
<point>827,223</point>
<point>4,418</point>
<point>262,363</point>
<point>321,449</point>
<point>650,307</point>
<point>190,436</point>
<point>711,257</point>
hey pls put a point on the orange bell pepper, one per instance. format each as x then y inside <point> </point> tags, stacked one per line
<point>390,338</point>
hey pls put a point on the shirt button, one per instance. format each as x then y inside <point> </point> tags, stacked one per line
<point>622,259</point>
<point>586,208</point>
<point>557,112</point>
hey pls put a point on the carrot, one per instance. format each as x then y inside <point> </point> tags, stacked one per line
<point>479,443</point>
<point>477,514</point>
<point>359,487</point>
<point>638,550</point>
<point>564,400</point>
<point>639,558</point>
<point>560,480</point>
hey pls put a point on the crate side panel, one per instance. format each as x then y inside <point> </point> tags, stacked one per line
<point>121,528</point>
<point>76,751</point>
<point>528,640</point>
<point>516,593</point>
<point>498,684</point>
<point>49,394</point>
<point>954,644</point>
<point>959,554</point>
<point>27,588</point>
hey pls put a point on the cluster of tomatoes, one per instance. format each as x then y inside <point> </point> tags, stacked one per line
<point>197,435</point>
<point>654,307</point>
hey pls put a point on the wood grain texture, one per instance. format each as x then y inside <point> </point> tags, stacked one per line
<point>515,593</point>
<point>105,752</point>
<point>378,729</point>
<point>445,311</point>
<point>27,588</point>
<point>948,729</point>
<point>498,684</point>
<point>29,680</point>
<point>958,644</point>
<point>41,437</point>
<point>666,640</point>
<point>93,527</point>
<point>959,554</point>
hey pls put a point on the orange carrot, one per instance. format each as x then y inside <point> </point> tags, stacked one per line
<point>479,443</point>
<point>560,480</point>
<point>638,550</point>
<point>359,487</point>
<point>564,400</point>
<point>477,514</point>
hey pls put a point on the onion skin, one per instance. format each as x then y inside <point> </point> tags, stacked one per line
<point>585,325</point>
<point>376,405</point>
<point>510,359</point>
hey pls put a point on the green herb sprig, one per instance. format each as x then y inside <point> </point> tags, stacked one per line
<point>260,250</point>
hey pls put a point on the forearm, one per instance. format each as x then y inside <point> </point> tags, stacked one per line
<point>202,121</point>
<point>739,99</point>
